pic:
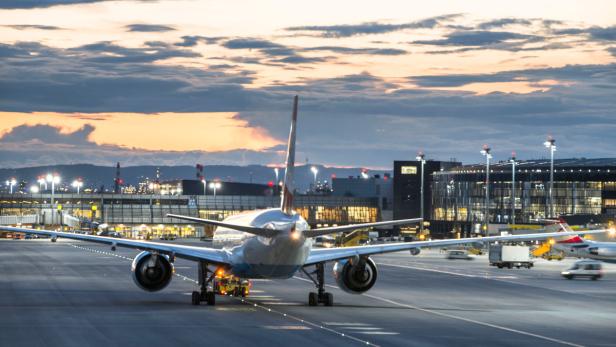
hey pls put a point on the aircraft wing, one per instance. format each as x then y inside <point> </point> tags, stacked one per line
<point>245,228</point>
<point>333,230</point>
<point>211,255</point>
<point>318,255</point>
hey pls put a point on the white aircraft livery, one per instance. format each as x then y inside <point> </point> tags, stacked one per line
<point>274,243</point>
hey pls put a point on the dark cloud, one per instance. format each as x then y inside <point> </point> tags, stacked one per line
<point>27,4</point>
<point>108,52</point>
<point>279,53</point>
<point>586,73</point>
<point>593,33</point>
<point>348,50</point>
<point>45,134</point>
<point>476,38</point>
<point>33,26</point>
<point>148,28</point>
<point>347,30</point>
<point>501,22</point>
<point>191,41</point>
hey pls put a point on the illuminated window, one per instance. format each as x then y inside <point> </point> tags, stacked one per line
<point>408,170</point>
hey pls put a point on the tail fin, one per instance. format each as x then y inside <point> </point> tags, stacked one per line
<point>289,175</point>
<point>561,225</point>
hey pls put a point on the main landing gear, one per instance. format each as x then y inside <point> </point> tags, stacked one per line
<point>321,296</point>
<point>204,280</point>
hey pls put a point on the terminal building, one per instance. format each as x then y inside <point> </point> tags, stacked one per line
<point>144,215</point>
<point>582,187</point>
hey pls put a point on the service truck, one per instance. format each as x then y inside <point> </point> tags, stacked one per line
<point>510,256</point>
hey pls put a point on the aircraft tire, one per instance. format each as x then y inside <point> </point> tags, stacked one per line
<point>328,299</point>
<point>313,299</point>
<point>196,298</point>
<point>210,298</point>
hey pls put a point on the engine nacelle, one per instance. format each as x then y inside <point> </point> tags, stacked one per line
<point>603,251</point>
<point>152,272</point>
<point>355,278</point>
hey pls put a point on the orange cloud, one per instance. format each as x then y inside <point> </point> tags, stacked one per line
<point>203,131</point>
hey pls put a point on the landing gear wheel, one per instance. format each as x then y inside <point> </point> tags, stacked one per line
<point>328,299</point>
<point>210,298</point>
<point>196,298</point>
<point>313,299</point>
<point>500,266</point>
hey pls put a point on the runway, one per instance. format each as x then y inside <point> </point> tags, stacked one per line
<point>80,294</point>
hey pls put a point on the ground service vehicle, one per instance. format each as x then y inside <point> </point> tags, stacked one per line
<point>584,268</point>
<point>458,254</point>
<point>230,285</point>
<point>510,256</point>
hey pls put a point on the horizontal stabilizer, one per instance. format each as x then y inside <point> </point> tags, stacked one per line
<point>344,228</point>
<point>245,228</point>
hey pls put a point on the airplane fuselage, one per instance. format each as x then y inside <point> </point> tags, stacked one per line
<point>254,256</point>
<point>603,251</point>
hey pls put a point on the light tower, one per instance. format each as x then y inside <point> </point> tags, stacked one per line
<point>11,183</point>
<point>421,158</point>
<point>513,163</point>
<point>77,184</point>
<point>485,151</point>
<point>53,179</point>
<point>551,146</point>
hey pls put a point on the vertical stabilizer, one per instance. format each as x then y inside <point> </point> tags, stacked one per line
<point>289,174</point>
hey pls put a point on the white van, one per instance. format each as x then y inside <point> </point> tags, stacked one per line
<point>458,254</point>
<point>584,268</point>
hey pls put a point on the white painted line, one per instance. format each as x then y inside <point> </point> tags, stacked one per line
<point>468,320</point>
<point>378,333</point>
<point>448,272</point>
<point>362,328</point>
<point>346,324</point>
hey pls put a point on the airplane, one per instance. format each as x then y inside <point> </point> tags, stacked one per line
<point>274,243</point>
<point>576,246</point>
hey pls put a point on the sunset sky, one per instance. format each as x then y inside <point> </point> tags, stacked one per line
<point>180,82</point>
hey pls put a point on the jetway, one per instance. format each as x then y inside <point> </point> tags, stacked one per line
<point>45,217</point>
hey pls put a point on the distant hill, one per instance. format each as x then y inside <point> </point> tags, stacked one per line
<point>96,176</point>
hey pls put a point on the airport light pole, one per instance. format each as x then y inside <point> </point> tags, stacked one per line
<point>315,171</point>
<point>34,189</point>
<point>53,179</point>
<point>551,146</point>
<point>421,158</point>
<point>513,163</point>
<point>276,171</point>
<point>214,186</point>
<point>204,186</point>
<point>77,184</point>
<point>485,151</point>
<point>11,183</point>
<point>41,181</point>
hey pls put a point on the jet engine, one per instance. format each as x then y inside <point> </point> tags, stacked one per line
<point>152,272</point>
<point>355,276</point>
<point>603,251</point>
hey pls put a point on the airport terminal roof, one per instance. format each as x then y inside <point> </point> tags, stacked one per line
<point>570,163</point>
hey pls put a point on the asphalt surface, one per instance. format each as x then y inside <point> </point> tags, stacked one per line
<point>80,294</point>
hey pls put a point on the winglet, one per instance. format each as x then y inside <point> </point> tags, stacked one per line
<point>288,187</point>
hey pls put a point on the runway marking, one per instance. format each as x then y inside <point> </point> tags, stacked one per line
<point>468,320</point>
<point>448,272</point>
<point>287,327</point>
<point>346,324</point>
<point>297,319</point>
<point>378,333</point>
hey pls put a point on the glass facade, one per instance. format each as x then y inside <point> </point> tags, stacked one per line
<point>144,216</point>
<point>581,187</point>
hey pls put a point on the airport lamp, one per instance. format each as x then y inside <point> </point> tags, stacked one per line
<point>53,179</point>
<point>315,172</point>
<point>11,183</point>
<point>421,158</point>
<point>215,186</point>
<point>513,163</point>
<point>34,189</point>
<point>77,184</point>
<point>276,171</point>
<point>485,151</point>
<point>550,145</point>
